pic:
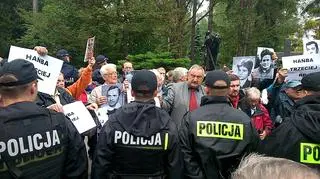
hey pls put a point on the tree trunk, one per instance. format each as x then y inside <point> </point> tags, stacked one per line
<point>35,6</point>
<point>193,32</point>
<point>125,32</point>
<point>210,17</point>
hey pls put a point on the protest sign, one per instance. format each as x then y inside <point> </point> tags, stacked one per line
<point>130,98</point>
<point>102,114</point>
<point>243,67</point>
<point>48,68</point>
<point>79,116</point>
<point>300,65</point>
<point>89,49</point>
<point>260,49</point>
<point>311,47</point>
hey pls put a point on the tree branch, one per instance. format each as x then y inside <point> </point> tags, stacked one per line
<point>203,16</point>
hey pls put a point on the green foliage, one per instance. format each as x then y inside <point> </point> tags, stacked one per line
<point>151,60</point>
<point>10,23</point>
<point>246,25</point>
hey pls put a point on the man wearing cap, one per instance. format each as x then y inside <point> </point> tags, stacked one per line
<point>35,142</point>
<point>100,61</point>
<point>215,136</point>
<point>69,71</point>
<point>298,137</point>
<point>289,93</point>
<point>139,140</point>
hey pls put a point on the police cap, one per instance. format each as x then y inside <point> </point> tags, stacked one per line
<point>144,81</point>
<point>21,69</point>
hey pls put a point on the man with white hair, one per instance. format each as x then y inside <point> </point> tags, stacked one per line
<point>259,115</point>
<point>179,74</point>
<point>110,76</point>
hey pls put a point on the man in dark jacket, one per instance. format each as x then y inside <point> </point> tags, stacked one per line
<point>298,137</point>
<point>69,71</point>
<point>215,136</point>
<point>235,95</point>
<point>35,142</point>
<point>139,140</point>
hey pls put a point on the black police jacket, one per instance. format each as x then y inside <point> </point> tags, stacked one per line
<point>214,137</point>
<point>139,140</point>
<point>46,100</point>
<point>298,137</point>
<point>38,143</point>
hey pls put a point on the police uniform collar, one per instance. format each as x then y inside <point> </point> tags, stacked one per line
<point>151,101</point>
<point>214,100</point>
<point>13,111</point>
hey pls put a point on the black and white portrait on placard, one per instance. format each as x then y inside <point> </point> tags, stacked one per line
<point>311,47</point>
<point>242,67</point>
<point>265,64</point>
<point>115,97</point>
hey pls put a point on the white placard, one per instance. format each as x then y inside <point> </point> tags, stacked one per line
<point>130,98</point>
<point>48,68</point>
<point>79,116</point>
<point>260,49</point>
<point>300,65</point>
<point>243,68</point>
<point>311,47</point>
<point>102,114</point>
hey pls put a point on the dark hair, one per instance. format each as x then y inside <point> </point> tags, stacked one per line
<point>233,77</point>
<point>112,88</point>
<point>315,43</point>
<point>264,53</point>
<point>248,64</point>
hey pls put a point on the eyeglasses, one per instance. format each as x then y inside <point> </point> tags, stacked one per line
<point>111,74</point>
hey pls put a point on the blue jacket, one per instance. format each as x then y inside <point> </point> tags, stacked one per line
<point>70,73</point>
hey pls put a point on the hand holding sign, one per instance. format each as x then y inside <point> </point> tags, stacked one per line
<point>91,62</point>
<point>48,68</point>
<point>89,49</point>
<point>41,50</point>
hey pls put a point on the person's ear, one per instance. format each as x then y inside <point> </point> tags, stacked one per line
<point>34,88</point>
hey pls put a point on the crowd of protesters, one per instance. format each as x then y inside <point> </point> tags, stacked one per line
<point>184,123</point>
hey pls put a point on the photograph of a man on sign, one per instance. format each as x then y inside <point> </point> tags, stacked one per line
<point>266,67</point>
<point>242,67</point>
<point>311,47</point>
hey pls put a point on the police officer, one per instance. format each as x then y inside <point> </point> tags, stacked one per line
<point>35,142</point>
<point>215,136</point>
<point>139,140</point>
<point>298,137</point>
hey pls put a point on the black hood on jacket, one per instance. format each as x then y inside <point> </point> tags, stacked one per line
<point>13,111</point>
<point>142,118</point>
<point>214,99</point>
<point>306,117</point>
